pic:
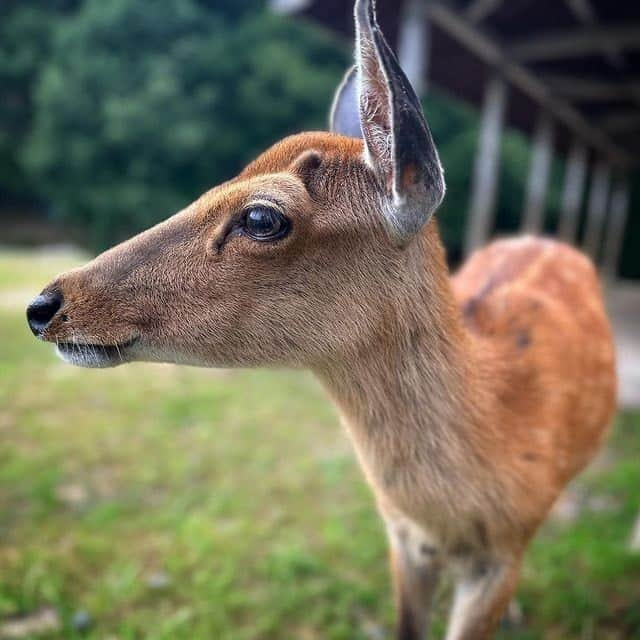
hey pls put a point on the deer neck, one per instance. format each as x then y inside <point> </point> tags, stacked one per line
<point>412,399</point>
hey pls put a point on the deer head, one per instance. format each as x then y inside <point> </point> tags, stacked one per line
<point>295,261</point>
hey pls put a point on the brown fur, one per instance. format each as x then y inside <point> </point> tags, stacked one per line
<point>471,402</point>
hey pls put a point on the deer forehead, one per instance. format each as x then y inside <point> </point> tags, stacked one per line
<point>283,191</point>
<point>282,155</point>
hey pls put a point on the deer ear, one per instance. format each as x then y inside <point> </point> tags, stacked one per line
<point>398,143</point>
<point>344,117</point>
<point>306,166</point>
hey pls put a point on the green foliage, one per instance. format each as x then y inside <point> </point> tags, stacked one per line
<point>144,105</point>
<point>26,30</point>
<point>455,132</point>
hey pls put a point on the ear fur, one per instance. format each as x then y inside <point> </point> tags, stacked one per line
<point>398,143</point>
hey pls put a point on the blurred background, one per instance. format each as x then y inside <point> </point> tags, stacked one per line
<point>153,501</point>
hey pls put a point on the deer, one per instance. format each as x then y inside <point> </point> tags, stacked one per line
<point>471,400</point>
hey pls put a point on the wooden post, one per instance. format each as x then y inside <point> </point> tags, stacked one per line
<point>615,229</point>
<point>539,171</point>
<point>597,211</point>
<point>573,192</point>
<point>487,164</point>
<point>413,44</point>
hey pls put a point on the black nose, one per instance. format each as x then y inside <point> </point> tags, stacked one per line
<point>41,311</point>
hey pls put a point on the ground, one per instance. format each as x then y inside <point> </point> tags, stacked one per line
<point>152,501</point>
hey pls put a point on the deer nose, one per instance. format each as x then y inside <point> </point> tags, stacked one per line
<point>42,309</point>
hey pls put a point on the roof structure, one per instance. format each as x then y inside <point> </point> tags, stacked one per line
<point>577,59</point>
<point>564,72</point>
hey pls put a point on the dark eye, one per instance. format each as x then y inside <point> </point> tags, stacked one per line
<point>264,223</point>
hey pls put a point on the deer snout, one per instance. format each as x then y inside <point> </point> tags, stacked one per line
<point>42,310</point>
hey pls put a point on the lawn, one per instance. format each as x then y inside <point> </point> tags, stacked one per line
<point>151,501</point>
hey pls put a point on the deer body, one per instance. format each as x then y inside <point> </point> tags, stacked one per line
<point>470,401</point>
<point>472,413</point>
<point>469,406</point>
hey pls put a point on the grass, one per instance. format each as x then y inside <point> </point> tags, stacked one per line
<point>179,503</point>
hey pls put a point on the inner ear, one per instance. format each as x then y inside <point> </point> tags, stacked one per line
<point>306,166</point>
<point>375,108</point>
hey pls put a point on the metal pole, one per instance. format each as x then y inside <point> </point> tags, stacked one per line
<point>487,164</point>
<point>597,212</point>
<point>573,192</point>
<point>539,171</point>
<point>615,228</point>
<point>414,41</point>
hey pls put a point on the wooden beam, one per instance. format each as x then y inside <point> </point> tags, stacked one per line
<point>615,229</point>
<point>484,186</point>
<point>622,121</point>
<point>592,90</point>
<point>491,53</point>
<point>478,10</point>
<point>597,210</point>
<point>586,14</point>
<point>573,192</point>
<point>574,43</point>
<point>538,180</point>
<point>414,44</point>
<point>582,10</point>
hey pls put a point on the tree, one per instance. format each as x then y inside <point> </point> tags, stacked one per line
<point>26,30</point>
<point>145,104</point>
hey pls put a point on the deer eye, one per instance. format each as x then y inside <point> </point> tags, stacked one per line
<point>264,223</point>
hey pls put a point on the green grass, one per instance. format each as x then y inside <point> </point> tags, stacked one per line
<point>241,488</point>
